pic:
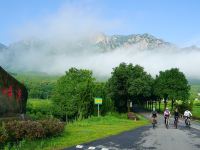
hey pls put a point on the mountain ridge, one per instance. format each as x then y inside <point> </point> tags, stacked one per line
<point>2,46</point>
<point>140,41</point>
<point>103,42</point>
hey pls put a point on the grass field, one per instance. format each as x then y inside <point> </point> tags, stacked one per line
<point>85,131</point>
<point>38,102</point>
<point>196,111</point>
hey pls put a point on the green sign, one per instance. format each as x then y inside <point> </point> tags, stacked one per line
<point>98,100</point>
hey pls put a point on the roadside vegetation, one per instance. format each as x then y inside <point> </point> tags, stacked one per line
<point>70,99</point>
<point>82,131</point>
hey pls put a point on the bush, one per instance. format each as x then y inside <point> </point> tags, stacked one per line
<point>183,106</point>
<point>15,131</point>
<point>33,130</point>
<point>39,109</point>
<point>52,127</point>
<point>197,102</point>
<point>3,134</point>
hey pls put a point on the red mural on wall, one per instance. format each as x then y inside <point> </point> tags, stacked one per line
<point>4,91</point>
<point>10,91</point>
<point>19,94</point>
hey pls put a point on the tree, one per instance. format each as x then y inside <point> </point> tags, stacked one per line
<point>129,83</point>
<point>118,86</point>
<point>172,85</point>
<point>140,87</point>
<point>101,90</point>
<point>73,95</point>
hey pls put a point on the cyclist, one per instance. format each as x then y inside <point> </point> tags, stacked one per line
<point>166,114</point>
<point>187,115</point>
<point>154,115</point>
<point>176,116</point>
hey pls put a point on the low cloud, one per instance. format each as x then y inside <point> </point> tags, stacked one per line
<point>67,39</point>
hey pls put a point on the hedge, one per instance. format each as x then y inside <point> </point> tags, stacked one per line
<point>14,131</point>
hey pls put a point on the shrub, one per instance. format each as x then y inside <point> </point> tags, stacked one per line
<point>184,106</point>
<point>3,134</point>
<point>33,130</point>
<point>52,127</point>
<point>39,109</point>
<point>197,102</point>
<point>15,131</point>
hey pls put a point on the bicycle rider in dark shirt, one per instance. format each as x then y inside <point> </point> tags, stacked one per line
<point>176,115</point>
<point>154,115</point>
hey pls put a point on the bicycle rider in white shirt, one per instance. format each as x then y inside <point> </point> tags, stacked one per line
<point>187,115</point>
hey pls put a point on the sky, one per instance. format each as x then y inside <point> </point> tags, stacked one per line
<point>176,21</point>
<point>61,34</point>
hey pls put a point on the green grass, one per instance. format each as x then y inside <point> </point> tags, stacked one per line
<point>39,108</point>
<point>38,102</point>
<point>196,111</point>
<point>86,131</point>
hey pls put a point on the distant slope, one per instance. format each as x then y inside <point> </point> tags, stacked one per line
<point>2,47</point>
<point>36,55</point>
<point>140,41</point>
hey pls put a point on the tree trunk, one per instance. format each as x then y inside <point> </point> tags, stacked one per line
<point>128,106</point>
<point>172,104</point>
<point>150,104</point>
<point>156,105</point>
<point>165,103</point>
<point>159,105</point>
<point>66,118</point>
<point>146,104</point>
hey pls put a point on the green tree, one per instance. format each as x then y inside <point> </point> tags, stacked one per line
<point>118,86</point>
<point>101,90</point>
<point>140,85</point>
<point>73,94</point>
<point>129,83</point>
<point>172,85</point>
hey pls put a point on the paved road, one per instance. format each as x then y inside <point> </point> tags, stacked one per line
<point>146,138</point>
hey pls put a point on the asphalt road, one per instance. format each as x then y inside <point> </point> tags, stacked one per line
<point>146,138</point>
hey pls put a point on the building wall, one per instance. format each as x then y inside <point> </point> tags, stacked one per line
<point>13,95</point>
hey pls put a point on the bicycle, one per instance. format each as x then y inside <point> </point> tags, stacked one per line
<point>154,122</point>
<point>167,121</point>
<point>176,122</point>
<point>187,122</point>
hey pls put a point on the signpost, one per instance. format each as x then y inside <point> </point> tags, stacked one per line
<point>98,101</point>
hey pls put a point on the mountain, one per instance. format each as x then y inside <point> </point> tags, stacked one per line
<point>139,41</point>
<point>2,47</point>
<point>100,42</point>
<point>99,52</point>
<point>191,48</point>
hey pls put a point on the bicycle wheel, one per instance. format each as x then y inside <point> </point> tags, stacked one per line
<point>188,123</point>
<point>176,123</point>
<point>153,125</point>
<point>167,123</point>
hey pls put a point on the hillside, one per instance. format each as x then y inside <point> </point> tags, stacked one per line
<point>2,47</point>
<point>140,41</point>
